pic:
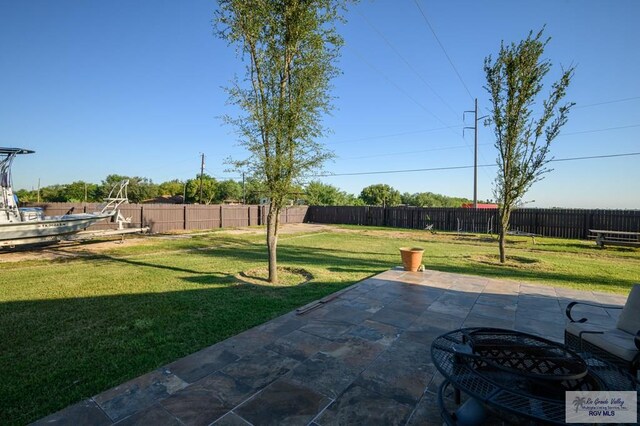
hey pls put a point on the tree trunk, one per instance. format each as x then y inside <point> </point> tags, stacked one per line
<point>272,242</point>
<point>505,215</point>
<point>501,244</point>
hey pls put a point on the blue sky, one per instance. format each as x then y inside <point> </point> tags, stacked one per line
<point>134,88</point>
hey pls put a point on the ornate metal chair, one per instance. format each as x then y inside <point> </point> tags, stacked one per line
<point>619,345</point>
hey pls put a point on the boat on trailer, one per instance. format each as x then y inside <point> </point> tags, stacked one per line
<point>19,226</point>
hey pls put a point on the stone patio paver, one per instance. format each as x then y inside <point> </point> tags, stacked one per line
<point>361,358</point>
<point>360,406</point>
<point>283,403</point>
<point>208,399</point>
<point>137,394</point>
<point>402,372</point>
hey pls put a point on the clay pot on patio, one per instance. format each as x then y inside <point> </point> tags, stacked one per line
<point>411,258</point>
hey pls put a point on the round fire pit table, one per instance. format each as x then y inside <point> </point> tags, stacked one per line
<point>516,375</point>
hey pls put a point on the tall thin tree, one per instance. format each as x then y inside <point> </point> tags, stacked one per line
<point>523,132</point>
<point>290,48</point>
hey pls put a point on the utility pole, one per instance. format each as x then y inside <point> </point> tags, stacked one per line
<point>475,150</point>
<point>201,174</point>
<point>38,189</point>
<point>85,192</point>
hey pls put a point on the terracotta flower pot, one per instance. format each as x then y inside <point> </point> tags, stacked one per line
<point>411,258</point>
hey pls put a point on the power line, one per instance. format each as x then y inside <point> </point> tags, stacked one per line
<point>390,154</point>
<point>628,154</point>
<point>413,132</point>
<point>409,96</point>
<point>211,173</point>
<point>383,172</point>
<point>599,130</point>
<point>367,138</point>
<point>446,148</point>
<point>442,47</point>
<point>173,162</point>
<point>607,102</point>
<point>426,83</point>
<point>397,87</point>
<point>380,172</point>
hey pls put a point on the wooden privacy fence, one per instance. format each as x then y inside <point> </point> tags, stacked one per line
<point>173,217</point>
<point>559,223</point>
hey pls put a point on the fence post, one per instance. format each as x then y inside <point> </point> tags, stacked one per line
<point>221,210</point>
<point>184,217</point>
<point>588,223</point>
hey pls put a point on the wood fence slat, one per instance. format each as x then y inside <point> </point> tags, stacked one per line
<point>559,223</point>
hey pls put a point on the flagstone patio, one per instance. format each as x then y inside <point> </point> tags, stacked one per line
<point>360,358</point>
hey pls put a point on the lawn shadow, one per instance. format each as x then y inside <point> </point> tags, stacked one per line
<point>136,333</point>
<point>65,350</point>
<point>210,279</point>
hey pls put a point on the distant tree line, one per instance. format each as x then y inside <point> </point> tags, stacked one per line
<point>219,191</point>
<point>143,189</point>
<point>321,194</point>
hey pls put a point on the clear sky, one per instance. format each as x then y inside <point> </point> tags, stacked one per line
<point>134,87</point>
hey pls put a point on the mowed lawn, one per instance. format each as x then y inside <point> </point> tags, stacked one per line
<point>73,327</point>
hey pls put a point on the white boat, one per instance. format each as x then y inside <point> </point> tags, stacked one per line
<point>29,225</point>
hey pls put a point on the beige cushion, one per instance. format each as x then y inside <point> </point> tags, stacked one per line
<point>629,320</point>
<point>616,342</point>
<point>576,328</point>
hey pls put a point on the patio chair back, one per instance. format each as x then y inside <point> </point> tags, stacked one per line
<point>629,320</point>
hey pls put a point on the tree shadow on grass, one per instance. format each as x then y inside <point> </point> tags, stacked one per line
<point>344,261</point>
<point>329,259</point>
<point>81,346</point>
<point>210,279</point>
<point>340,261</point>
<point>59,351</point>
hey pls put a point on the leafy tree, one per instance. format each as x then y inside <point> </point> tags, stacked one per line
<point>523,134</point>
<point>254,190</point>
<point>76,191</point>
<point>352,200</point>
<point>229,190</point>
<point>209,189</point>
<point>429,199</point>
<point>171,188</point>
<point>290,47</point>
<point>380,195</point>
<point>26,196</point>
<point>54,194</point>
<point>322,194</point>
<point>139,189</point>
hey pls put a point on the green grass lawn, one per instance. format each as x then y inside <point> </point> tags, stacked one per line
<point>71,328</point>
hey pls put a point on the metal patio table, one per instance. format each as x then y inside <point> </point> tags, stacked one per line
<point>516,376</point>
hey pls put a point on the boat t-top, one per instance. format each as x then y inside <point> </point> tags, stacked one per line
<point>29,225</point>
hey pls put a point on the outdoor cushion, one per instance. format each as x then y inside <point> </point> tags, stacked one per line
<point>576,328</point>
<point>629,320</point>
<point>616,342</point>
